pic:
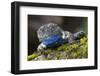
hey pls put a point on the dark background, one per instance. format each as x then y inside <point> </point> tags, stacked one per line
<point>72,24</point>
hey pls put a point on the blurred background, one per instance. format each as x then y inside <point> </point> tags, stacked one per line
<point>72,24</point>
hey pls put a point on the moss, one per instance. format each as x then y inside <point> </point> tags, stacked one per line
<point>33,56</point>
<point>83,40</point>
<point>62,48</point>
<point>76,50</point>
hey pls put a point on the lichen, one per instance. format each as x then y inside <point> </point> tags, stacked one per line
<point>75,50</point>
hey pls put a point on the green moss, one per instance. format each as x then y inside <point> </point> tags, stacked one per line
<point>76,50</point>
<point>30,57</point>
<point>83,40</point>
<point>62,48</point>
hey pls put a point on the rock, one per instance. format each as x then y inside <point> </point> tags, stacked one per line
<point>41,57</point>
<point>62,55</point>
<point>48,30</point>
<point>51,56</point>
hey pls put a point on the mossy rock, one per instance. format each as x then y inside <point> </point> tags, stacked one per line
<point>76,50</point>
